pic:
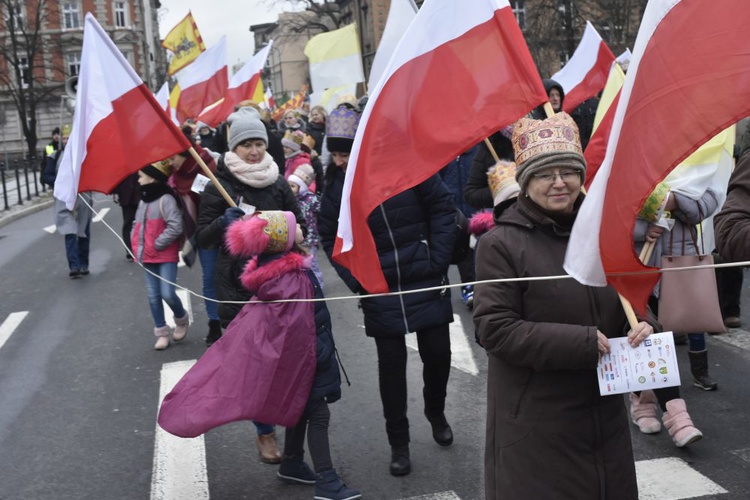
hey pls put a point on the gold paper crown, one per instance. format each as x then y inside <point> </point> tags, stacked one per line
<point>653,207</point>
<point>163,166</point>
<point>280,229</point>
<point>66,130</point>
<point>296,137</point>
<point>502,181</point>
<point>556,134</point>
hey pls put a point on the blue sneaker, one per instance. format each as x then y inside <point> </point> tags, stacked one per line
<point>330,487</point>
<point>467,295</point>
<point>295,471</point>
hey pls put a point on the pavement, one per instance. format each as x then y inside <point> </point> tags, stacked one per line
<point>16,211</point>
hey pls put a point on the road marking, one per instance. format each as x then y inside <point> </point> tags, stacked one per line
<point>184,296</point>
<point>51,229</point>
<point>743,454</point>
<point>99,216</point>
<point>462,356</point>
<point>672,479</point>
<point>736,337</point>
<point>443,495</point>
<point>9,326</point>
<point>179,464</point>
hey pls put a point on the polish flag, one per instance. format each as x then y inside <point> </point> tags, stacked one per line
<point>118,127</point>
<point>162,97</point>
<point>473,52</point>
<point>203,82</point>
<point>687,81</point>
<point>400,15</point>
<point>586,72</point>
<point>270,102</point>
<point>245,84</point>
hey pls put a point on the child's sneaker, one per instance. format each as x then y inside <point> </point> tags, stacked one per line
<point>467,295</point>
<point>330,487</point>
<point>295,471</point>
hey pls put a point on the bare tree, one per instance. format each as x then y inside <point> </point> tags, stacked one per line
<point>24,65</point>
<point>311,15</point>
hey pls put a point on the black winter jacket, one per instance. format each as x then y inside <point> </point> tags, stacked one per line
<point>477,190</point>
<point>414,232</point>
<point>327,381</point>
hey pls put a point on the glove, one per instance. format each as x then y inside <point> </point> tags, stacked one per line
<point>231,214</point>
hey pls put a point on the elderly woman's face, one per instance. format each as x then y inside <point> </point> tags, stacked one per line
<point>251,150</point>
<point>555,189</point>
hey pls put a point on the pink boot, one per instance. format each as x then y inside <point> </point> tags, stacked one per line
<point>162,338</point>
<point>181,327</point>
<point>643,412</point>
<point>679,424</point>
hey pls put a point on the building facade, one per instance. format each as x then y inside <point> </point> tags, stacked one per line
<point>45,37</point>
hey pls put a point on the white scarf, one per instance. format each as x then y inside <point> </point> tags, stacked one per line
<point>257,175</point>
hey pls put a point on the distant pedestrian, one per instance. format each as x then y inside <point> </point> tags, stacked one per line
<point>300,182</point>
<point>127,194</point>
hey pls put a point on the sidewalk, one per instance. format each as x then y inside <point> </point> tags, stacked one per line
<point>29,207</point>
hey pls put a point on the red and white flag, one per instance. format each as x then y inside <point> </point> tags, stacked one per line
<point>203,82</point>
<point>687,80</point>
<point>118,127</point>
<point>461,72</point>
<point>245,84</point>
<point>162,97</point>
<point>270,102</point>
<point>587,70</point>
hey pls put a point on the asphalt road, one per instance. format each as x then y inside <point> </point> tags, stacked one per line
<point>80,385</point>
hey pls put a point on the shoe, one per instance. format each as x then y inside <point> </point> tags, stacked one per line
<point>85,272</point>
<point>400,463</point>
<point>293,471</point>
<point>329,486</point>
<point>162,338</point>
<point>268,449</point>
<point>467,295</point>
<point>643,412</point>
<point>679,424</point>
<point>181,327</point>
<point>128,257</point>
<point>441,431</point>
<point>699,369</point>
<point>74,274</point>
<point>680,338</point>
<point>732,322</point>
<point>214,332</point>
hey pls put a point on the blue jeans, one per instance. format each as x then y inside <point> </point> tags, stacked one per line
<point>208,264</point>
<point>77,250</point>
<point>263,429</point>
<point>158,290</point>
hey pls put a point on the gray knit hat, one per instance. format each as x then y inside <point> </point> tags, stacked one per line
<point>245,124</point>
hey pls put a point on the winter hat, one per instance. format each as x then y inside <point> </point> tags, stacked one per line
<point>293,140</point>
<point>66,130</point>
<point>540,144</point>
<point>245,124</point>
<point>265,232</point>
<point>308,144</point>
<point>502,181</point>
<point>159,171</point>
<point>303,176</point>
<point>341,127</point>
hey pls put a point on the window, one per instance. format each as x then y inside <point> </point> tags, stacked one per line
<point>564,58</point>
<point>74,63</point>
<point>23,67</point>
<point>71,18</point>
<point>121,14</point>
<point>519,10</point>
<point>16,17</point>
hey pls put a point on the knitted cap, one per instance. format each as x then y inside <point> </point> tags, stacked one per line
<point>341,127</point>
<point>306,173</point>
<point>502,181</point>
<point>245,124</point>
<point>159,171</point>
<point>540,144</point>
<point>293,140</point>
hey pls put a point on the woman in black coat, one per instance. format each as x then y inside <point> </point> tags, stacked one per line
<point>414,233</point>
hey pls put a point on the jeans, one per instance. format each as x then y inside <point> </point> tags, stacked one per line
<point>263,429</point>
<point>208,264</point>
<point>314,420</point>
<point>77,250</point>
<point>158,290</point>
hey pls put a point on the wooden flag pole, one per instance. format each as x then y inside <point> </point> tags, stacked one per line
<point>211,176</point>
<point>492,149</point>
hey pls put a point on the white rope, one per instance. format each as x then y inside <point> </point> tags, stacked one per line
<point>419,290</point>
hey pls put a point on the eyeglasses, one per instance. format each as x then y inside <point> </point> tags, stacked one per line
<point>550,178</point>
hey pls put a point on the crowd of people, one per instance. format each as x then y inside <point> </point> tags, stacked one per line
<point>515,197</point>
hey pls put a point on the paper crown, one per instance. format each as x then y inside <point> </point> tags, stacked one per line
<point>342,123</point>
<point>161,170</point>
<point>556,134</point>
<point>264,232</point>
<point>293,140</point>
<point>502,181</point>
<point>309,143</point>
<point>66,130</point>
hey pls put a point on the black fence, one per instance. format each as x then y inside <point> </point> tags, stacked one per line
<point>20,182</point>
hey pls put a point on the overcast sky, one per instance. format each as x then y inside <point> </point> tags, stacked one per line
<point>221,17</point>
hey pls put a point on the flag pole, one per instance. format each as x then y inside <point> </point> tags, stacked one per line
<point>211,176</point>
<point>492,149</point>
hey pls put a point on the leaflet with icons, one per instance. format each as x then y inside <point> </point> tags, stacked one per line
<point>651,365</point>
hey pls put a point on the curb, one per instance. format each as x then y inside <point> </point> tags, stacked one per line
<point>28,210</point>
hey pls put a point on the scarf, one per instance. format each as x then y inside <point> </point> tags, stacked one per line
<point>154,191</point>
<point>257,175</point>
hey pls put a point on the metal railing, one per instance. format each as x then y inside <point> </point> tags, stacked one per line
<point>20,181</point>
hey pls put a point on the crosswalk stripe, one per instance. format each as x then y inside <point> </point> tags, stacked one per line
<point>9,326</point>
<point>100,215</point>
<point>736,337</point>
<point>443,495</point>
<point>462,357</point>
<point>51,229</point>
<point>179,464</point>
<point>185,299</point>
<point>672,479</point>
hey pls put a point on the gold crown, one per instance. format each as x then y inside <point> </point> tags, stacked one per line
<point>557,134</point>
<point>163,166</point>
<point>296,137</point>
<point>502,181</point>
<point>280,229</point>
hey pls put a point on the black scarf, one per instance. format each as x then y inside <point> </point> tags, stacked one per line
<point>154,191</point>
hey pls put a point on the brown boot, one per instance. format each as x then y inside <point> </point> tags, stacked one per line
<point>268,449</point>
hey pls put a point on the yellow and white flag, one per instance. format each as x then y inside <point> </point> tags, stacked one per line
<point>185,43</point>
<point>335,58</point>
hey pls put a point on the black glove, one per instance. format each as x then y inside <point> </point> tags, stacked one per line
<point>231,214</point>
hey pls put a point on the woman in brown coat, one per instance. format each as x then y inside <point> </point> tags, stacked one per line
<point>549,432</point>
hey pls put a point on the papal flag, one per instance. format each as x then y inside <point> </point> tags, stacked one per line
<point>335,58</point>
<point>185,43</point>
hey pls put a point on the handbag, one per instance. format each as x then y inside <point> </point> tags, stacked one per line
<point>689,300</point>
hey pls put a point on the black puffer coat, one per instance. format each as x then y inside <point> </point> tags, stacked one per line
<point>327,381</point>
<point>414,233</point>
<point>210,233</point>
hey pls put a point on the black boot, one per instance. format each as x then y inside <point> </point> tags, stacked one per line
<point>441,431</point>
<point>400,463</point>
<point>699,369</point>
<point>214,332</point>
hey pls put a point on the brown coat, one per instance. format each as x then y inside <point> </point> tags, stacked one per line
<point>549,432</point>
<point>732,224</point>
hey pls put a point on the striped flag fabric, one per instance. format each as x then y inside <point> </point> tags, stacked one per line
<point>118,127</point>
<point>400,15</point>
<point>687,81</point>
<point>473,52</point>
<point>203,82</point>
<point>162,97</point>
<point>335,58</point>
<point>293,103</point>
